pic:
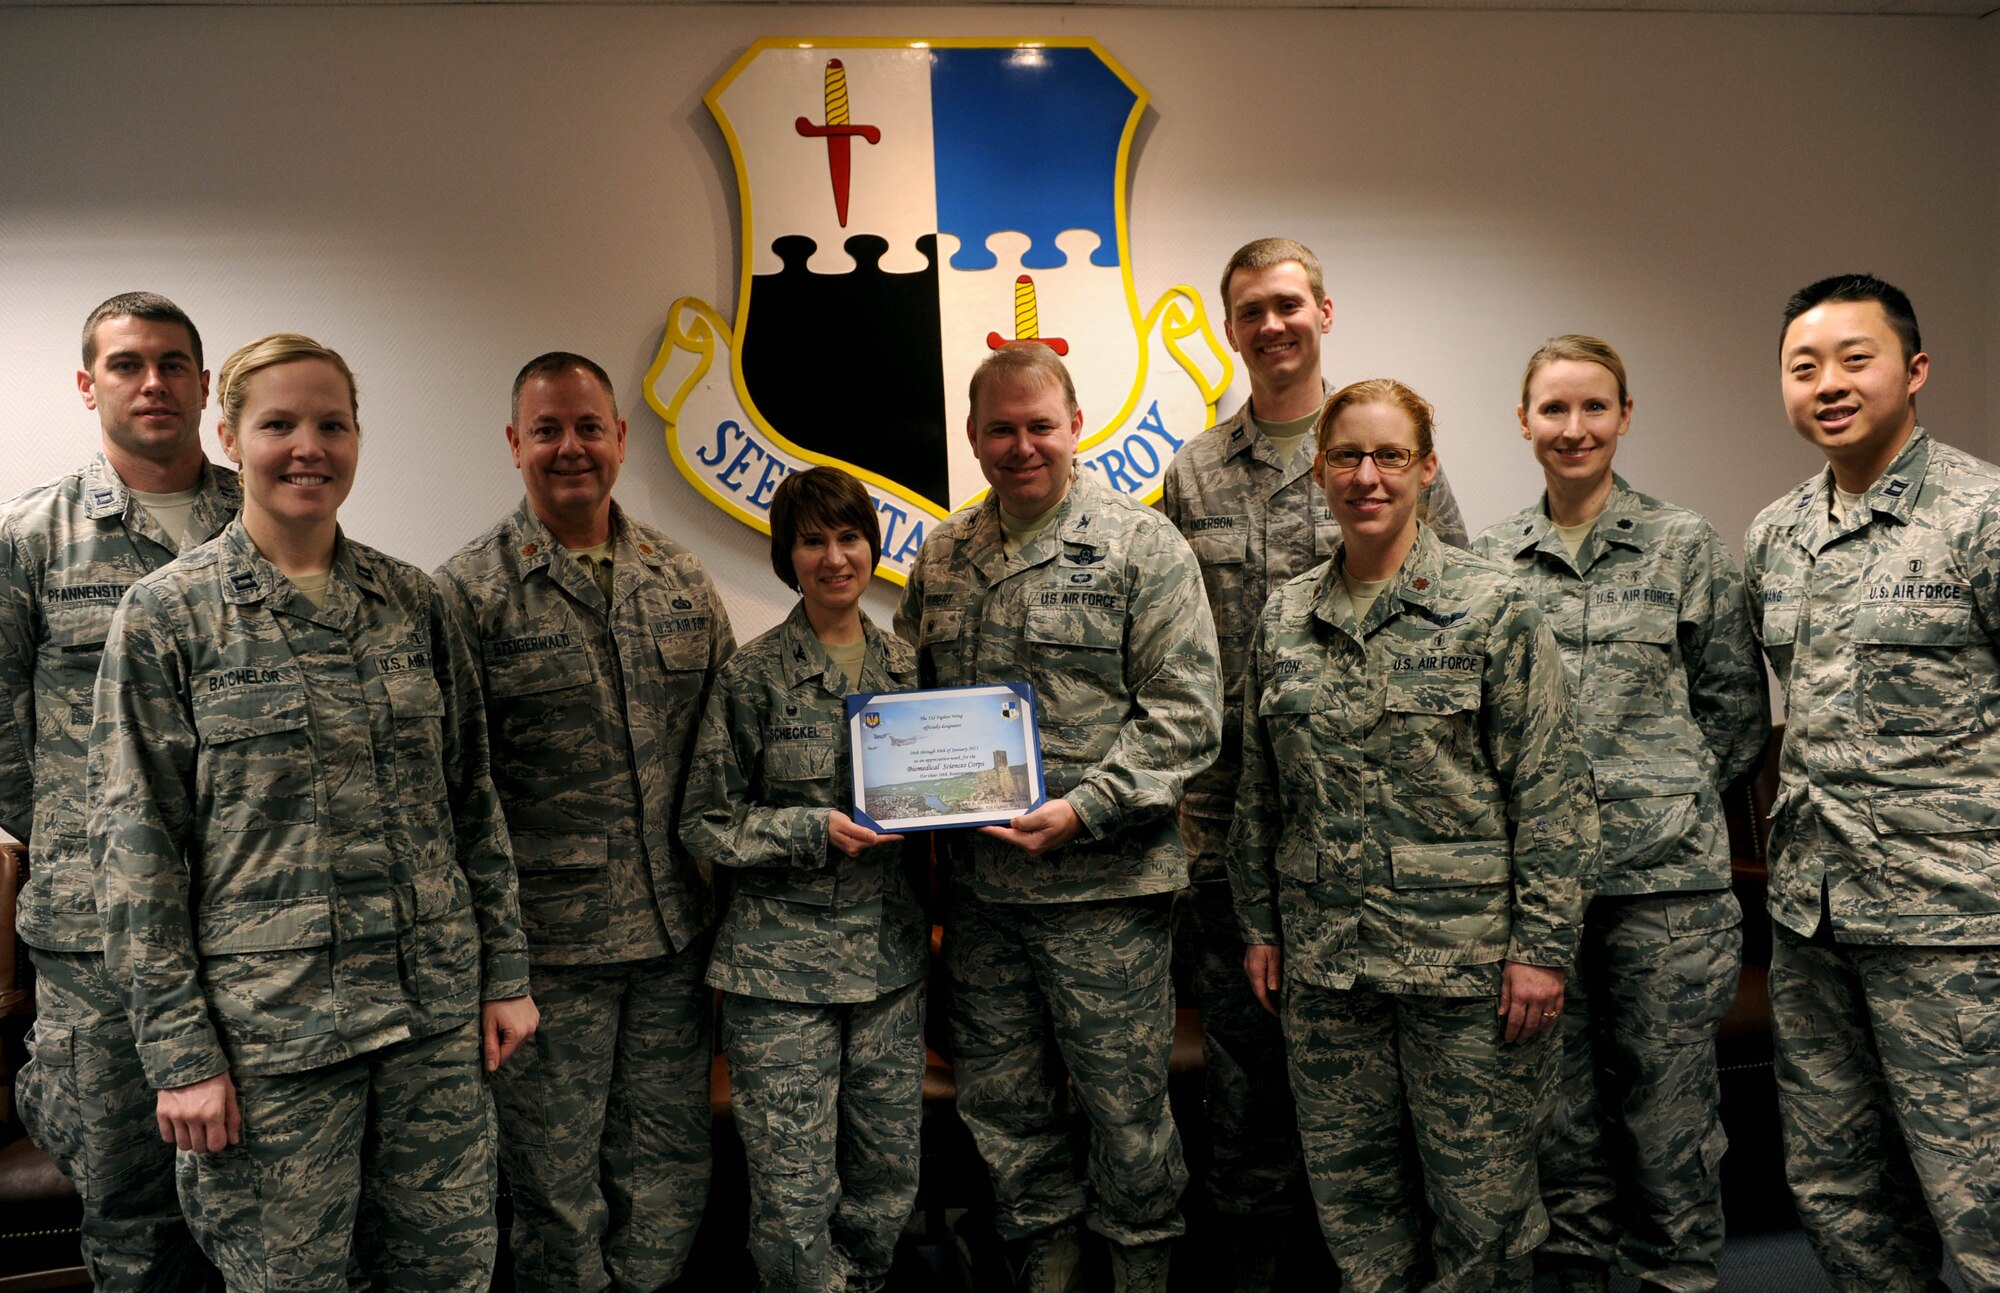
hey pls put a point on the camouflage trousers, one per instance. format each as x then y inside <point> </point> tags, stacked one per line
<point>1257,1169</point>
<point>1411,1107</point>
<point>86,1102</point>
<point>1052,999</point>
<point>386,1158</point>
<point>1888,1064</point>
<point>604,1124</point>
<point>828,1100</point>
<point>1631,1161</point>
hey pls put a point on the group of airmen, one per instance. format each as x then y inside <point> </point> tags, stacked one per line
<point>351,886</point>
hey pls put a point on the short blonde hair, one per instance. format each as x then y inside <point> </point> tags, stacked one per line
<point>1574,345</point>
<point>269,352</point>
<point>1379,390</point>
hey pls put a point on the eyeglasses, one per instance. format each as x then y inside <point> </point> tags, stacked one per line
<point>1346,458</point>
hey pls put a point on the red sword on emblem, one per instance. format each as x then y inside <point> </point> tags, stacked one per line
<point>838,134</point>
<point>1027,322</point>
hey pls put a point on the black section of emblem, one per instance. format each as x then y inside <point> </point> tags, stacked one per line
<point>851,365</point>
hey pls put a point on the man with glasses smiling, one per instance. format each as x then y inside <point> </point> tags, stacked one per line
<point>68,552</point>
<point>1242,492</point>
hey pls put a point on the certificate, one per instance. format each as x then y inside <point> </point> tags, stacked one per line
<point>946,757</point>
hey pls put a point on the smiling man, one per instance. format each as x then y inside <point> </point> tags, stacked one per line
<point>68,551</point>
<point>599,637</point>
<point>1057,932</point>
<point>1874,590</point>
<point>1242,492</point>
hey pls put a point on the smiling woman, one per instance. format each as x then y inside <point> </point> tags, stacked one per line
<point>312,956</point>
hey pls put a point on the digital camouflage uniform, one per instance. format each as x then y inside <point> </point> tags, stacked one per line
<point>593,710</point>
<point>1415,810</point>
<point>1254,522</point>
<point>1068,953</point>
<point>822,959</point>
<point>1884,630</point>
<point>1671,707</point>
<point>305,883</point>
<point>68,551</point>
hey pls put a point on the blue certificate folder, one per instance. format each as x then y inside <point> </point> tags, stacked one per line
<point>945,758</point>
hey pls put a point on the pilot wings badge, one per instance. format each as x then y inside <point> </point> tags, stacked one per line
<point>908,207</point>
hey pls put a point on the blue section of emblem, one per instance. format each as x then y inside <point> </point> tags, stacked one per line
<point>1027,140</point>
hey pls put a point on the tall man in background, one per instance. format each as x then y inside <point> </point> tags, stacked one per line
<point>1875,589</point>
<point>68,552</point>
<point>599,637</point>
<point>1056,940</point>
<point>1243,494</point>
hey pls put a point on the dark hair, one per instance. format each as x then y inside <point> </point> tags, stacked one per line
<point>554,364</point>
<point>137,305</point>
<point>1860,287</point>
<point>824,498</point>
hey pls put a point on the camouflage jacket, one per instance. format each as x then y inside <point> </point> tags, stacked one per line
<point>1884,631</point>
<point>1671,701</point>
<point>804,922</point>
<point>593,712</point>
<point>1102,613</point>
<point>1254,523</point>
<point>68,552</point>
<point>1416,807</point>
<point>300,857</point>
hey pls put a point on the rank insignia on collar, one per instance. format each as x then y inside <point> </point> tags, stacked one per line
<point>530,549</point>
<point>1420,583</point>
<point>1896,488</point>
<point>102,497</point>
<point>243,581</point>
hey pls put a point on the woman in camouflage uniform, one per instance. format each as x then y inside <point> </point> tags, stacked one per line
<point>820,952</point>
<point>1411,851</point>
<point>1647,605</point>
<point>307,893</point>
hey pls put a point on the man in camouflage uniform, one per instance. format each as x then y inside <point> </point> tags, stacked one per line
<point>598,638</point>
<point>68,551</point>
<point>1057,938</point>
<point>1672,708</point>
<point>1242,492</point>
<point>1874,589</point>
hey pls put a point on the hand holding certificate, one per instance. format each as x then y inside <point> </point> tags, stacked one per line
<point>947,757</point>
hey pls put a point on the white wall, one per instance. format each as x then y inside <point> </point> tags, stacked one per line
<point>441,192</point>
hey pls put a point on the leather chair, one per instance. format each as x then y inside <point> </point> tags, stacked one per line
<point>39,1210</point>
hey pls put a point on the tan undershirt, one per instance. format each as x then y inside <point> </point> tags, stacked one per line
<point>1286,436</point>
<point>1016,534</point>
<point>1574,535</point>
<point>173,511</point>
<point>847,660</point>
<point>313,586</point>
<point>1846,504</point>
<point>1362,594</point>
<point>596,559</point>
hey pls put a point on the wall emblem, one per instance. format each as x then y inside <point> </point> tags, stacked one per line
<point>907,207</point>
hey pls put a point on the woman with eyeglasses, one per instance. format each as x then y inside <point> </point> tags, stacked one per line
<point>1410,853</point>
<point>308,892</point>
<point>1647,606</point>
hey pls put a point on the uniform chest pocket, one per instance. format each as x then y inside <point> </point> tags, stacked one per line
<point>1076,654</point>
<point>417,707</point>
<point>1224,544</point>
<point>534,672</point>
<point>257,757</point>
<point>69,656</point>
<point>682,653</point>
<point>1914,680</point>
<point>1222,552</point>
<point>1430,733</point>
<point>1628,666</point>
<point>797,772</point>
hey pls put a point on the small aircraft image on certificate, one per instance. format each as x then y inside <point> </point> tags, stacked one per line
<point>945,757</point>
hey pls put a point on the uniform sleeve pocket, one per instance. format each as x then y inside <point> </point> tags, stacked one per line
<point>1298,860</point>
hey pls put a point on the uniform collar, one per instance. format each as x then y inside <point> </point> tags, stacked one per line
<point>803,658</point>
<point>1617,524</point>
<point>1076,532</point>
<point>1246,436</point>
<point>1893,495</point>
<point>218,497</point>
<point>536,547</point>
<point>1415,584</point>
<point>248,577</point>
